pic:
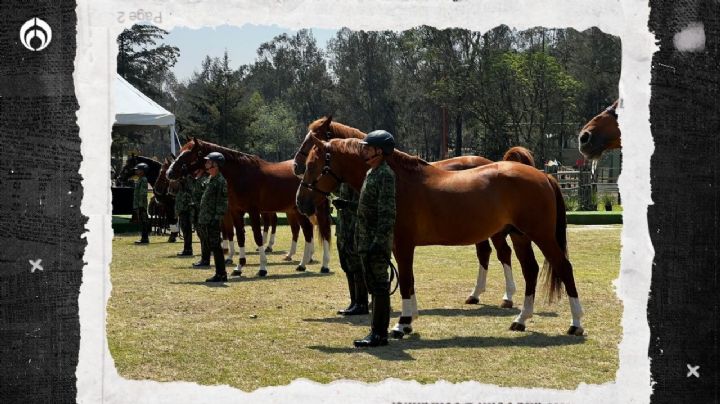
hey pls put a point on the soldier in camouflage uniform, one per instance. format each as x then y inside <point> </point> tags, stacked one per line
<point>140,202</point>
<point>350,262</point>
<point>213,205</point>
<point>184,209</point>
<point>196,196</point>
<point>374,232</point>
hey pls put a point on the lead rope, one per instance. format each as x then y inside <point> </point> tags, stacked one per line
<point>394,274</point>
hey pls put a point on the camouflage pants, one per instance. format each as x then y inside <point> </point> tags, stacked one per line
<point>350,260</point>
<point>210,232</point>
<point>143,221</point>
<point>185,222</point>
<point>375,268</point>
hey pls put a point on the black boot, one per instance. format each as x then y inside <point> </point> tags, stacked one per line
<point>380,321</point>
<point>351,289</point>
<point>203,263</point>
<point>144,235</point>
<point>361,295</point>
<point>185,253</point>
<point>217,278</point>
<point>173,237</point>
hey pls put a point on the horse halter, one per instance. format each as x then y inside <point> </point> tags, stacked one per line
<point>326,170</point>
<point>328,136</point>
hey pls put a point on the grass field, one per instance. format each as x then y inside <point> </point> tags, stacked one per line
<point>164,323</point>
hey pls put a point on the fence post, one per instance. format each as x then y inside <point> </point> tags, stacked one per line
<point>585,188</point>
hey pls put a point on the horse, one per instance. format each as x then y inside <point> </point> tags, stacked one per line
<point>161,208</point>
<point>256,186</point>
<point>338,130</point>
<point>128,169</point>
<point>600,134</point>
<point>164,199</point>
<point>438,207</point>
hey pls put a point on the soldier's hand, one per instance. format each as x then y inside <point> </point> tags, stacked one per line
<point>341,204</point>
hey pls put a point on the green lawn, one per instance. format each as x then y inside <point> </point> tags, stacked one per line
<point>165,324</point>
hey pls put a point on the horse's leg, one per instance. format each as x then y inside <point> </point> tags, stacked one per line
<point>266,227</point>
<point>294,222</point>
<point>503,251</point>
<point>238,219</point>
<point>307,229</point>
<point>561,271</point>
<point>172,220</point>
<point>227,235</point>
<point>323,218</point>
<point>529,265</point>
<point>482,250</point>
<point>257,235</point>
<point>273,227</point>
<point>404,256</point>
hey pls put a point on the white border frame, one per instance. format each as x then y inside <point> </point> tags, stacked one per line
<point>98,26</point>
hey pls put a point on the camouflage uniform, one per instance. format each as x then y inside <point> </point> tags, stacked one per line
<point>375,225</point>
<point>350,260</point>
<point>213,205</point>
<point>140,205</point>
<point>196,191</point>
<point>184,209</point>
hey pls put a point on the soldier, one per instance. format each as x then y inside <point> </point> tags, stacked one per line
<point>350,262</point>
<point>140,202</point>
<point>213,205</point>
<point>184,209</point>
<point>374,231</point>
<point>197,192</point>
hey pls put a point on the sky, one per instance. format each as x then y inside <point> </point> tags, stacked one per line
<point>240,42</point>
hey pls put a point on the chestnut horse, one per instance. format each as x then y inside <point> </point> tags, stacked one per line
<point>338,130</point>
<point>438,207</point>
<point>600,134</point>
<point>255,186</point>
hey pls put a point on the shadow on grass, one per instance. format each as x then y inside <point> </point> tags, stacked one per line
<point>202,283</point>
<point>475,310</point>
<point>396,350</point>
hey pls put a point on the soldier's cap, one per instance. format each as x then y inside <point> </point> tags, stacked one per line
<point>382,139</point>
<point>141,166</point>
<point>216,157</point>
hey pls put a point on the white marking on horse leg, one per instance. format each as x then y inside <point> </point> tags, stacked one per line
<point>272,240</point>
<point>293,249</point>
<point>307,253</point>
<point>263,259</point>
<point>527,310</point>
<point>414,311</point>
<point>224,244</point>
<point>509,282</point>
<point>173,228</point>
<point>241,252</point>
<point>407,308</point>
<point>480,282</point>
<point>403,328</point>
<point>231,251</point>
<point>576,311</point>
<point>326,254</point>
<point>312,251</point>
<point>265,237</point>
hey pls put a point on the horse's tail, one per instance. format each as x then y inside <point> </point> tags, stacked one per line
<point>519,154</point>
<point>553,282</point>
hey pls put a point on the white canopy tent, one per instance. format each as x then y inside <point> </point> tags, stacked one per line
<point>132,107</point>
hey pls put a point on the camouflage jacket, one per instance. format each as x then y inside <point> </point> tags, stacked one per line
<point>376,209</point>
<point>140,193</point>
<point>346,218</point>
<point>214,201</point>
<point>197,189</point>
<point>183,197</point>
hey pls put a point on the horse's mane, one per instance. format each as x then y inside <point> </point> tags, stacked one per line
<point>401,159</point>
<point>233,155</point>
<point>148,161</point>
<point>338,130</point>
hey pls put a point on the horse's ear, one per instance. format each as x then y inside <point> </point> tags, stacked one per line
<point>326,124</point>
<point>319,143</point>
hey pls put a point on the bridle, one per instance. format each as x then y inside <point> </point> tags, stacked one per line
<point>326,170</point>
<point>328,136</point>
<point>611,110</point>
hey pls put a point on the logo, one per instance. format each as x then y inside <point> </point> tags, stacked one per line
<point>35,34</point>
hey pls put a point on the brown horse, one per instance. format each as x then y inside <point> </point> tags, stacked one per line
<point>255,186</point>
<point>437,207</point>
<point>600,134</point>
<point>338,130</point>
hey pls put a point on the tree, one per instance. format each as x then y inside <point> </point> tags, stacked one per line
<point>144,63</point>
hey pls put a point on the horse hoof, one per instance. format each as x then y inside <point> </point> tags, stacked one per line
<point>472,300</point>
<point>268,250</point>
<point>324,270</point>
<point>262,273</point>
<point>287,258</point>
<point>515,326</point>
<point>228,261</point>
<point>394,334</point>
<point>576,331</point>
<point>506,304</point>
<point>236,272</point>
<point>300,268</point>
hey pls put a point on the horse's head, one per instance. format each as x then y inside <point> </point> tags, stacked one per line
<point>163,183</point>
<point>318,129</point>
<point>189,161</point>
<point>128,169</point>
<point>328,165</point>
<point>600,134</point>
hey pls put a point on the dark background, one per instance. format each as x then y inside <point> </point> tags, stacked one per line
<point>40,157</point>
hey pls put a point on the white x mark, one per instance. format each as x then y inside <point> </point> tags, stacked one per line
<point>693,371</point>
<point>36,265</point>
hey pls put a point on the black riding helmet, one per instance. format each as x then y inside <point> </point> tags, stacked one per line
<point>141,166</point>
<point>216,157</point>
<point>382,139</point>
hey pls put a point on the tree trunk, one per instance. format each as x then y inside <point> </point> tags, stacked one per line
<point>458,135</point>
<point>444,134</point>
